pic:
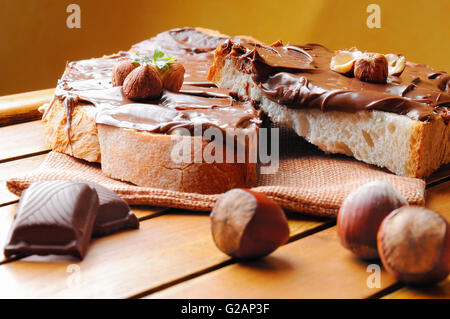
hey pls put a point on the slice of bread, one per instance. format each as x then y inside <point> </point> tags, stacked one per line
<point>403,145</point>
<point>139,156</point>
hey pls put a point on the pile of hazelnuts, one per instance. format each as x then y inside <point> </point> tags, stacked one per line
<point>142,81</point>
<point>374,221</point>
<point>413,243</point>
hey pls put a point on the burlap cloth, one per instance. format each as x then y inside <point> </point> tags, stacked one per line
<point>307,180</point>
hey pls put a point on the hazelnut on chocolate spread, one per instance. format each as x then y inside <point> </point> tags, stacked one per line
<point>300,77</point>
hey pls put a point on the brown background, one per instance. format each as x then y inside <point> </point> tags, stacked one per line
<point>36,42</point>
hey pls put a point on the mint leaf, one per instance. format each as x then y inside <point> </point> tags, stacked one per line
<point>158,55</point>
<point>160,60</point>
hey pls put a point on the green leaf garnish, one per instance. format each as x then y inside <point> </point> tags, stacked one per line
<point>160,60</point>
<point>157,55</point>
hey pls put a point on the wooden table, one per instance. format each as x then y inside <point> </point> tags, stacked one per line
<point>172,255</point>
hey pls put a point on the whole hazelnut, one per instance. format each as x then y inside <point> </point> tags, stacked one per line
<point>173,76</point>
<point>248,225</point>
<point>120,71</point>
<point>414,245</point>
<point>371,67</point>
<point>361,214</point>
<point>142,83</point>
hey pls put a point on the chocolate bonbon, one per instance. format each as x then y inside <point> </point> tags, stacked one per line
<point>53,218</point>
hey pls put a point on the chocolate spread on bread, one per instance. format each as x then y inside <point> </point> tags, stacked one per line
<point>296,76</point>
<point>198,102</point>
<point>300,77</point>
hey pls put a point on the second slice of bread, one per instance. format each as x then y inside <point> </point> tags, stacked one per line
<point>404,146</point>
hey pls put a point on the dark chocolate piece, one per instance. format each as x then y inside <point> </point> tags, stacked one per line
<point>54,217</point>
<point>113,213</point>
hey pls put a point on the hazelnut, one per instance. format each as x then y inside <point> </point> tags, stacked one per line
<point>248,225</point>
<point>414,245</point>
<point>142,83</point>
<point>173,76</point>
<point>361,214</point>
<point>121,70</point>
<point>396,64</point>
<point>371,67</point>
<point>344,61</point>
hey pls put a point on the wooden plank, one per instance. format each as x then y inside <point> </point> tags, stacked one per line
<point>14,169</point>
<point>313,267</point>
<point>165,249</point>
<point>6,197</point>
<point>23,107</point>
<point>21,140</point>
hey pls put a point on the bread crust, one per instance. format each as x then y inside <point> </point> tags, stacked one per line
<point>80,138</point>
<point>429,147</point>
<point>144,159</point>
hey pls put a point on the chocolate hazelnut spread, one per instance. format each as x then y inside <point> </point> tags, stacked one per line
<point>300,77</point>
<point>198,102</point>
<point>297,76</point>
